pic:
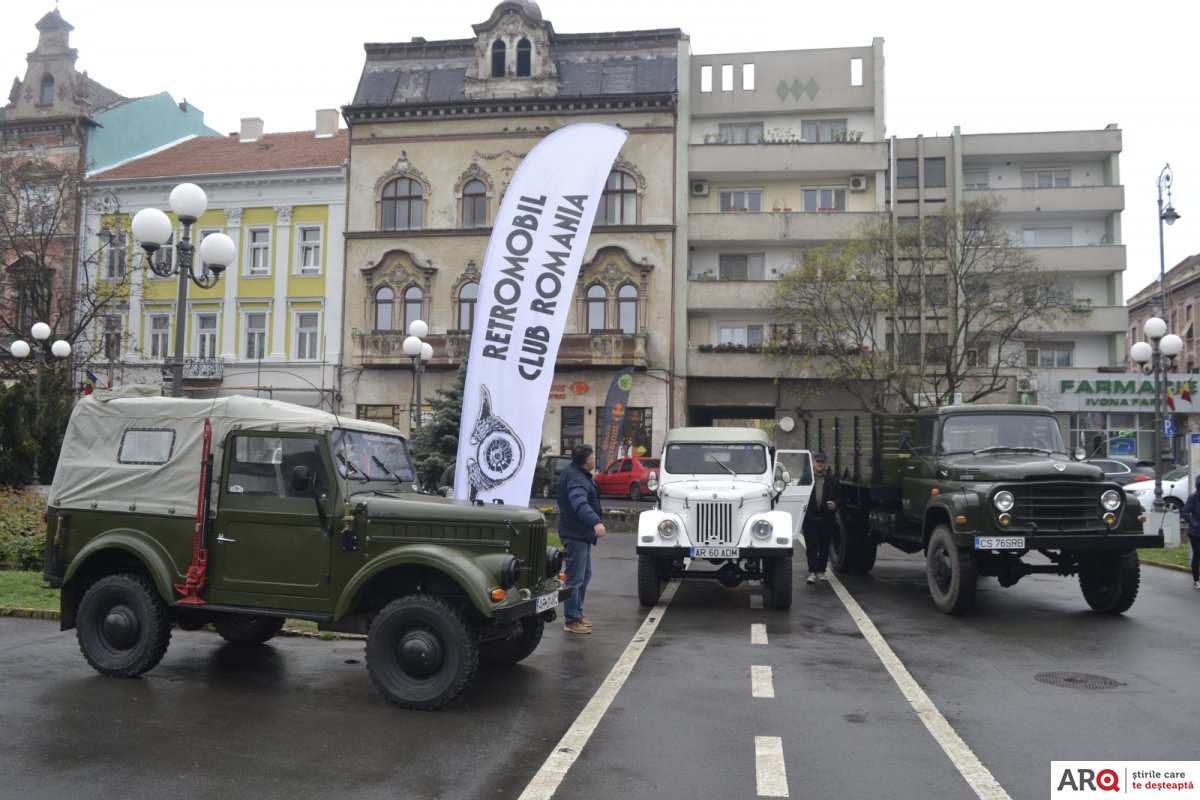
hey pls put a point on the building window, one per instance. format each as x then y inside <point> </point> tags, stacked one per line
<point>524,58</point>
<point>164,257</point>
<point>823,130</point>
<point>824,198</point>
<point>1046,237</point>
<point>936,291</point>
<point>158,333</point>
<point>571,431</point>
<point>1049,356</point>
<point>258,252</point>
<point>1046,178</point>
<point>256,336</point>
<point>748,77</point>
<point>384,301</point>
<point>308,259</point>
<point>206,335</point>
<point>741,200</point>
<point>474,205</point>
<point>402,205</point>
<point>468,297</point>
<point>498,59</point>
<point>706,78</point>
<point>618,202</point>
<point>740,333</point>
<point>727,77</point>
<point>387,414</point>
<point>308,325</point>
<point>46,97</point>
<point>114,326</point>
<point>975,179</point>
<point>906,173</point>
<point>627,303</point>
<point>740,132</point>
<point>412,305</point>
<point>741,266</point>
<point>935,173</point>
<point>909,351</point>
<point>116,255</point>
<point>597,299</point>
<point>856,72</point>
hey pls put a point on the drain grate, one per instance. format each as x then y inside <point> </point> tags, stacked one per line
<point>1077,680</point>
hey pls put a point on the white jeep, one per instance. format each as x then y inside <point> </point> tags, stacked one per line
<point>719,492</point>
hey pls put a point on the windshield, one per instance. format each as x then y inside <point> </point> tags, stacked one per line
<point>971,433</point>
<point>365,456</point>
<point>715,459</point>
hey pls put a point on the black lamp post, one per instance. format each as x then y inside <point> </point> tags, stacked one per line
<point>1157,355</point>
<point>420,352</point>
<point>21,349</point>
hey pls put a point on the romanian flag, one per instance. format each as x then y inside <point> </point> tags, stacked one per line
<point>1184,392</point>
<point>90,382</point>
<point>1170,397</point>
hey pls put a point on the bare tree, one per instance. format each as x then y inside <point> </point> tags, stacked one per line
<point>910,314</point>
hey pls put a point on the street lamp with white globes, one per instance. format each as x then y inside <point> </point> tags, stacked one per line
<point>420,352</point>
<point>1157,356</point>
<point>152,228</point>
<point>21,349</point>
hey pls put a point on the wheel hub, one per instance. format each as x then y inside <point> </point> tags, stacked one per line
<point>420,653</point>
<point>942,573</point>
<point>120,627</point>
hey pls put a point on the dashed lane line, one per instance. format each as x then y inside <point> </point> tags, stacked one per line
<point>545,783</point>
<point>769,771</point>
<point>762,683</point>
<point>758,633</point>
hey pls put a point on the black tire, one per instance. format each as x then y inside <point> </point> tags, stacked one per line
<point>952,573</point>
<point>651,580</point>
<point>1173,503</point>
<point>505,652</point>
<point>777,583</point>
<point>635,491</point>
<point>420,652</point>
<point>1110,581</point>
<point>851,550</point>
<point>123,626</point>
<point>241,629</point>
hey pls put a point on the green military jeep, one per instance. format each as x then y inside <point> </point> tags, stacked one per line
<point>241,512</point>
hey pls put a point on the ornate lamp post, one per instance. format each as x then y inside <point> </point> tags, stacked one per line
<point>420,352</point>
<point>1157,355</point>
<point>21,349</point>
<point>152,228</point>
<point>1167,215</point>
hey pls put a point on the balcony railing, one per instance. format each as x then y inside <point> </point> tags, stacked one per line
<point>597,349</point>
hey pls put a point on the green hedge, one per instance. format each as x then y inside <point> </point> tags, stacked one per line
<point>22,529</point>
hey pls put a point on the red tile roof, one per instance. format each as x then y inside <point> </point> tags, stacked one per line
<point>222,155</point>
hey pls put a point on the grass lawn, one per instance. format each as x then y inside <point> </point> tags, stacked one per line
<point>1179,556</point>
<point>20,589</point>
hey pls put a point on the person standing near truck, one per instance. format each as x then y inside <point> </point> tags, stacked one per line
<point>819,517</point>
<point>580,525</point>
<point>1191,515</point>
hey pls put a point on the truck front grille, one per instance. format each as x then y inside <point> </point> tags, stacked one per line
<point>713,523</point>
<point>1058,506</point>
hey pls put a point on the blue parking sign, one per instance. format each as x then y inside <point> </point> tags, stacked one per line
<point>1169,427</point>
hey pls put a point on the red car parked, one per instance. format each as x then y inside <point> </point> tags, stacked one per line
<point>626,477</point>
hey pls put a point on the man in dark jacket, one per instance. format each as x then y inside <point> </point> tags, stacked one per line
<point>1191,516</point>
<point>580,524</point>
<point>819,518</point>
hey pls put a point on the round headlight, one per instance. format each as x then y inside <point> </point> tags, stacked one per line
<point>1005,520</point>
<point>1111,500</point>
<point>554,561</point>
<point>761,529</point>
<point>1003,501</point>
<point>511,571</point>
<point>667,528</point>
<point>652,482</point>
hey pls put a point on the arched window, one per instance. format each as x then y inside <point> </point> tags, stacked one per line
<point>412,305</point>
<point>384,301</point>
<point>618,203</point>
<point>402,206</point>
<point>468,298</point>
<point>627,300</point>
<point>47,96</point>
<point>474,204</point>
<point>597,298</point>
<point>524,57</point>
<point>498,59</point>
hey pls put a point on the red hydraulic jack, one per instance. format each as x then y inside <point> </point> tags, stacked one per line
<point>197,572</point>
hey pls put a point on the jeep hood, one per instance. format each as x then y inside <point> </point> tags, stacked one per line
<point>426,508</point>
<point>1010,465</point>
<point>727,489</point>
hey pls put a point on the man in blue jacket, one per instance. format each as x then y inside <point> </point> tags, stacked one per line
<point>580,524</point>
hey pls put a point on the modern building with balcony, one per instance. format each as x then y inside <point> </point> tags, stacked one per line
<point>272,325</point>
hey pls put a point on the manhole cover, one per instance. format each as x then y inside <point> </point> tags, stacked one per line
<point>1077,680</point>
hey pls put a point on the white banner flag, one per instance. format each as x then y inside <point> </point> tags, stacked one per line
<point>525,295</point>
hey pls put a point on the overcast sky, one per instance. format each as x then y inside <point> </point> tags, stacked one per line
<point>1004,67</point>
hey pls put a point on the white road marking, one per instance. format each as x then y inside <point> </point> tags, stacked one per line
<point>570,746</point>
<point>769,770</point>
<point>978,776</point>
<point>761,683</point>
<point>758,633</point>
<point>756,601</point>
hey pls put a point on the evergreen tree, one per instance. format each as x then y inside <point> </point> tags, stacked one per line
<point>435,444</point>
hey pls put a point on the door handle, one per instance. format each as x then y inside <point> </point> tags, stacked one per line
<point>221,538</point>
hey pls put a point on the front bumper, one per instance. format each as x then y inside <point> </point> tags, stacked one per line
<point>1074,541</point>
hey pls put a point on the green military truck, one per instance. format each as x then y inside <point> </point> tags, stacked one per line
<point>242,512</point>
<point>978,488</point>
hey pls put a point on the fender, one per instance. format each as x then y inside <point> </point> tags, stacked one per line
<point>780,521</point>
<point>648,526</point>
<point>467,572</point>
<point>145,548</point>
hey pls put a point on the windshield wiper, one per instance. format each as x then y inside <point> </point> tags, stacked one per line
<point>1013,448</point>
<point>351,469</point>
<point>725,467</point>
<point>386,469</point>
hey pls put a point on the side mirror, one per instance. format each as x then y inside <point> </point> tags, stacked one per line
<point>301,479</point>
<point>906,441</point>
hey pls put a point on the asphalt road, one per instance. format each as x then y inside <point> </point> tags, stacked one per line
<point>700,716</point>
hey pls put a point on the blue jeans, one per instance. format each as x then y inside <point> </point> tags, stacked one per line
<point>579,575</point>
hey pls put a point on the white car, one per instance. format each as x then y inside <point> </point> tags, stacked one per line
<point>1176,486</point>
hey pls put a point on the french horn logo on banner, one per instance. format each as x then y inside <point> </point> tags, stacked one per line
<point>525,292</point>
